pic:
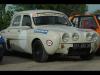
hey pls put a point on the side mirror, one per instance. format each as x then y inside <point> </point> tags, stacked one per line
<point>73,24</point>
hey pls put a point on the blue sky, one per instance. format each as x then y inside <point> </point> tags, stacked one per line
<point>93,7</point>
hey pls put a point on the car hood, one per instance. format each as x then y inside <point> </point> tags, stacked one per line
<point>62,28</point>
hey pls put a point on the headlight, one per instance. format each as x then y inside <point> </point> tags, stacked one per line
<point>65,37</point>
<point>89,37</point>
<point>75,36</point>
<point>94,37</point>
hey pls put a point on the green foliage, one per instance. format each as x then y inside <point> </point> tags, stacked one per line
<point>69,9</point>
<point>6,20</point>
<point>2,14</point>
<point>97,12</point>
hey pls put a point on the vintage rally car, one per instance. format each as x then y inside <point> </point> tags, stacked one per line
<point>2,48</point>
<point>47,32</point>
<point>90,21</point>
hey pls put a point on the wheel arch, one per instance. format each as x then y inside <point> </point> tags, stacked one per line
<point>33,42</point>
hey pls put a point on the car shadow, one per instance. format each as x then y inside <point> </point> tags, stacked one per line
<point>15,57</point>
<point>64,58</point>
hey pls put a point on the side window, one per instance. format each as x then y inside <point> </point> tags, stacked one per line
<point>26,20</point>
<point>16,21</point>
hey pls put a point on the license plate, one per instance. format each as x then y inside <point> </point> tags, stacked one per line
<point>81,45</point>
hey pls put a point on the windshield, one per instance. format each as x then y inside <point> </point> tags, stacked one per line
<point>51,20</point>
<point>87,22</point>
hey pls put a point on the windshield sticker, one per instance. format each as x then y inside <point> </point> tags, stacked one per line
<point>41,31</point>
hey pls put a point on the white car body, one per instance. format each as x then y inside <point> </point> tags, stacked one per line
<point>21,37</point>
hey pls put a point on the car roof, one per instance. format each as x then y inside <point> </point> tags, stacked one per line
<point>38,11</point>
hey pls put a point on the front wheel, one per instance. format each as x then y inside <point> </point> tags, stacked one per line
<point>87,57</point>
<point>38,52</point>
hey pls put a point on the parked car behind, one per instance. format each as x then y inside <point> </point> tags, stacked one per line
<point>91,21</point>
<point>2,47</point>
<point>47,32</point>
<point>86,21</point>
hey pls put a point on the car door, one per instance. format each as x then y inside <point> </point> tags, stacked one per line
<point>13,31</point>
<point>24,32</point>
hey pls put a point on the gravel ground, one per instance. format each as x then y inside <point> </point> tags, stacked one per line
<point>24,62</point>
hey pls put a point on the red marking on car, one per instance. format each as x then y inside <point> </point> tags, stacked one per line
<point>49,42</point>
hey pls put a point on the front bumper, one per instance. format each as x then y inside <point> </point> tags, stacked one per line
<point>77,48</point>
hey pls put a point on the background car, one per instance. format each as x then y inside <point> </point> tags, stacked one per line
<point>91,21</point>
<point>86,21</point>
<point>2,48</point>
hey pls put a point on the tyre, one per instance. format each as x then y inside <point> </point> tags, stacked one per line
<point>98,52</point>
<point>38,52</point>
<point>87,57</point>
<point>2,50</point>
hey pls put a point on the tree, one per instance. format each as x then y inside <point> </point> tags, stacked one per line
<point>6,20</point>
<point>2,13</point>
<point>69,9</point>
<point>97,12</point>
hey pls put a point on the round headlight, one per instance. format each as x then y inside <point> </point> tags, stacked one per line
<point>89,36</point>
<point>65,37</point>
<point>75,36</point>
<point>94,37</point>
